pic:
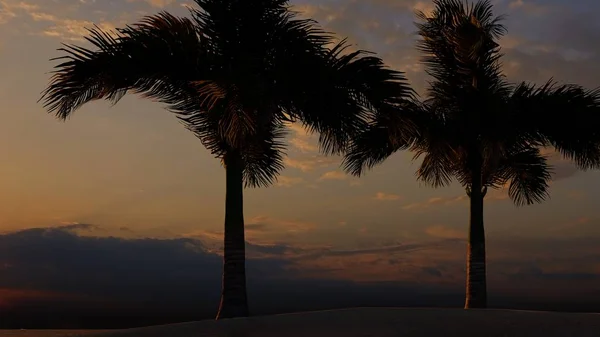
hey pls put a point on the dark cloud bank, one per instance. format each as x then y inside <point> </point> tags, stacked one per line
<point>104,282</point>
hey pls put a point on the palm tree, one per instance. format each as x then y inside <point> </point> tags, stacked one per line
<point>478,128</point>
<point>234,73</point>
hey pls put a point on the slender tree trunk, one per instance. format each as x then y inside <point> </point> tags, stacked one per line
<point>476,275</point>
<point>234,301</point>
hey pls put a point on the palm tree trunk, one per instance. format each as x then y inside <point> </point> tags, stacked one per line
<point>476,278</point>
<point>234,302</point>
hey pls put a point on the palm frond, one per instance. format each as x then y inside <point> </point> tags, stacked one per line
<point>156,57</point>
<point>394,129</point>
<point>437,168</point>
<point>528,173</point>
<point>264,154</point>
<point>440,146</point>
<point>564,116</point>
<point>262,151</point>
<point>338,94</point>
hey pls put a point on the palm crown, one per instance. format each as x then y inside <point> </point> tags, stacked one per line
<point>472,113</point>
<point>478,118</point>
<point>473,131</point>
<point>234,74</point>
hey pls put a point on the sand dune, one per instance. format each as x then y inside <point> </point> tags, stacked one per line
<point>380,322</point>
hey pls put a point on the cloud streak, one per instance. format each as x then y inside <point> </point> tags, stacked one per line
<point>381,196</point>
<point>333,175</point>
<point>436,201</point>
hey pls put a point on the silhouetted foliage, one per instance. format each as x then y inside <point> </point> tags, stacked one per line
<point>234,74</point>
<point>479,129</point>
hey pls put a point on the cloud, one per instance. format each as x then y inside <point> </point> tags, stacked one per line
<point>259,229</point>
<point>59,261</point>
<point>69,29</point>
<point>576,194</point>
<point>157,276</point>
<point>289,226</point>
<point>57,270</point>
<point>387,249</point>
<point>11,9</point>
<point>340,176</point>
<point>491,196</point>
<point>307,164</point>
<point>56,259</point>
<point>528,7</point>
<point>386,197</point>
<point>424,6</point>
<point>285,181</point>
<point>56,279</point>
<point>50,21</point>
<point>445,232</point>
<point>445,201</point>
<point>303,145</point>
<point>302,140</point>
<point>156,3</point>
<point>334,175</point>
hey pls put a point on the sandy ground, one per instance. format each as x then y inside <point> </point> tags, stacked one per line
<point>375,322</point>
<point>48,333</point>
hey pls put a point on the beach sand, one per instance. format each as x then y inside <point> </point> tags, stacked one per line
<point>375,322</point>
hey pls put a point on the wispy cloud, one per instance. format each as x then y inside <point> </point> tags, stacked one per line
<point>285,181</point>
<point>260,229</point>
<point>286,225</point>
<point>52,23</point>
<point>338,175</point>
<point>409,247</point>
<point>424,6</point>
<point>155,3</point>
<point>302,140</point>
<point>529,7</point>
<point>576,194</point>
<point>10,9</point>
<point>303,145</point>
<point>491,196</point>
<point>306,164</point>
<point>445,232</point>
<point>437,201</point>
<point>68,29</point>
<point>386,196</point>
<point>334,175</point>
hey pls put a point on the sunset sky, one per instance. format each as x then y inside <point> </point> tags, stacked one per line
<point>133,171</point>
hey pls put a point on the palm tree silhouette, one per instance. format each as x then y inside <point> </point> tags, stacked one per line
<point>478,128</point>
<point>234,74</point>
